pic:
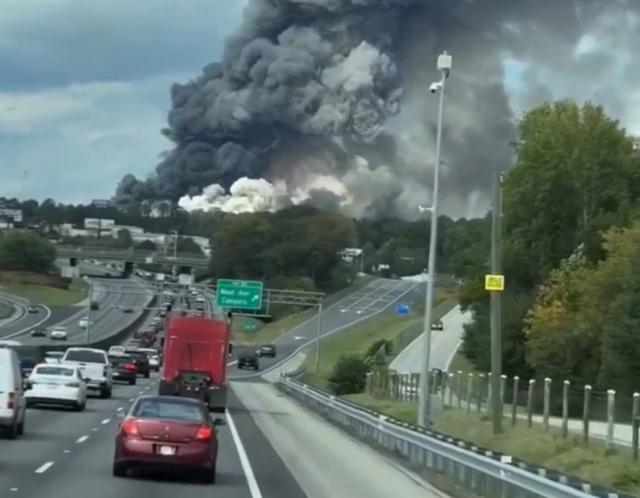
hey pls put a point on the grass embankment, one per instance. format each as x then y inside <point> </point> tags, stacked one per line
<point>51,296</point>
<point>249,331</point>
<point>6,310</point>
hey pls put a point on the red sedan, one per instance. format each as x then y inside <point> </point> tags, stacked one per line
<point>166,431</point>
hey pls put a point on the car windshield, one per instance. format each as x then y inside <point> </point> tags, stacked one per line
<point>62,371</point>
<point>85,356</point>
<point>168,410</point>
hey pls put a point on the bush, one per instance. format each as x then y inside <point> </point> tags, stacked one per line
<point>349,375</point>
<point>24,251</point>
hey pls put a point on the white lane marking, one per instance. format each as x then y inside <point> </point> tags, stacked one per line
<point>44,467</point>
<point>120,408</point>
<point>94,429</point>
<point>105,421</point>
<point>13,489</point>
<point>82,439</point>
<point>67,451</point>
<point>132,399</point>
<point>254,489</point>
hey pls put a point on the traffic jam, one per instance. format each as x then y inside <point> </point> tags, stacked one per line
<point>174,428</point>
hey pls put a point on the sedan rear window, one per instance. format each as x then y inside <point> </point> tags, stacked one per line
<point>85,356</point>
<point>169,411</point>
<point>65,372</point>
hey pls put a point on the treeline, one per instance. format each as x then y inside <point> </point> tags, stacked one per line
<point>570,256</point>
<point>24,251</point>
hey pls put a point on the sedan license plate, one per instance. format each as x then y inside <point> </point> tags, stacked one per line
<point>167,450</point>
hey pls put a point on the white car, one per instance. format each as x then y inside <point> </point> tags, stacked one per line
<point>200,299</point>
<point>58,334</point>
<point>84,323</point>
<point>113,350</point>
<point>57,385</point>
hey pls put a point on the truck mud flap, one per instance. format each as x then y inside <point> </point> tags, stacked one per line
<point>167,388</point>
<point>218,399</point>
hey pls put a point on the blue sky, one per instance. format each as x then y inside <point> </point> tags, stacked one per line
<point>84,87</point>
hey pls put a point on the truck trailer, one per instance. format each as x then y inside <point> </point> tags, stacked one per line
<point>195,359</point>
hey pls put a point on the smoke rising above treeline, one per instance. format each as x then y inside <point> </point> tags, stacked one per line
<point>326,102</point>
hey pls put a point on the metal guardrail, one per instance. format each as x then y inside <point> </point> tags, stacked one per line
<point>466,468</point>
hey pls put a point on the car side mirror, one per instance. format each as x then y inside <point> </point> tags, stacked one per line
<point>27,385</point>
<point>218,422</point>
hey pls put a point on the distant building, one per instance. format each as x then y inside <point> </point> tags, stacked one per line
<point>15,215</point>
<point>134,231</point>
<point>101,203</point>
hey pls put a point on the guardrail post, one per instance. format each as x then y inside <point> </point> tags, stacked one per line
<point>532,386</point>
<point>489,393</point>
<point>611,406</point>
<point>546,403</point>
<point>469,391</point>
<point>635,413</point>
<point>480,389</point>
<point>586,408</point>
<point>565,408</point>
<point>415,383</point>
<point>503,388</point>
<point>459,380</point>
<point>514,400</point>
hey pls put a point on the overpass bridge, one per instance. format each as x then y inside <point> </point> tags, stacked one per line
<point>132,256</point>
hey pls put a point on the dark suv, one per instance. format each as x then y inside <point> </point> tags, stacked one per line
<point>248,360</point>
<point>123,368</point>
<point>141,361</point>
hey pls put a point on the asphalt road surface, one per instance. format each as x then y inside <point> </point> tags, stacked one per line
<point>110,294</point>
<point>66,454</point>
<point>27,320</point>
<point>444,343</point>
<point>363,304</point>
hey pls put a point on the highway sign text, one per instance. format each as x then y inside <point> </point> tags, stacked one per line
<point>239,294</point>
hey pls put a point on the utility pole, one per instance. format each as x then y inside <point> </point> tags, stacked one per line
<point>424,392</point>
<point>87,330</point>
<point>496,330</point>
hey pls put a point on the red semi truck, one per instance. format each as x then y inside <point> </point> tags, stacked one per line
<point>195,359</point>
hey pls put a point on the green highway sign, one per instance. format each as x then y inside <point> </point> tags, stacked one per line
<point>239,294</point>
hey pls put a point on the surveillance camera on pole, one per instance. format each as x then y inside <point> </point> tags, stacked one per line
<point>424,395</point>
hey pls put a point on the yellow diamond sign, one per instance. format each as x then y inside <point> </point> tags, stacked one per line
<point>494,282</point>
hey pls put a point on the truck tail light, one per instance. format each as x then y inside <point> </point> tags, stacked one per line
<point>105,371</point>
<point>205,433</point>
<point>11,401</point>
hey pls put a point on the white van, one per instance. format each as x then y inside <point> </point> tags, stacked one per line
<point>13,405</point>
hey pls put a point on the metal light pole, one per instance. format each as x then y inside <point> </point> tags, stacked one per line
<point>175,250</point>
<point>496,331</point>
<point>424,398</point>
<point>318,339</point>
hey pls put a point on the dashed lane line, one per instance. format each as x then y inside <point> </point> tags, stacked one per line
<point>44,467</point>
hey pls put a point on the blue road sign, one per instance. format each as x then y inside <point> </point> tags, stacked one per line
<point>402,309</point>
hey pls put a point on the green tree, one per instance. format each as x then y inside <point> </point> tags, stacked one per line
<point>349,375</point>
<point>25,251</point>
<point>188,245</point>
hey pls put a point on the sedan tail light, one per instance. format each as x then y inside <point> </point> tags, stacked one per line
<point>130,367</point>
<point>205,433</point>
<point>129,428</point>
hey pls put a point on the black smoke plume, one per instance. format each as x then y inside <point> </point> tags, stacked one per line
<point>331,95</point>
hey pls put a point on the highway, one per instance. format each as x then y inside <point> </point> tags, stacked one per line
<point>367,302</point>
<point>109,293</point>
<point>444,344</point>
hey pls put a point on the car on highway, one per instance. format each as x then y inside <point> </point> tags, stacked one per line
<point>154,358</point>
<point>53,356</point>
<point>127,309</point>
<point>162,313</point>
<point>13,405</point>
<point>33,308</point>
<point>124,369</point>
<point>95,367</point>
<point>58,334</point>
<point>437,325</point>
<point>57,385</point>
<point>167,432</point>
<point>140,360</point>
<point>267,350</point>
<point>95,306</point>
<point>200,299</point>
<point>248,360</point>
<point>39,332</point>
<point>116,350</point>
<point>84,322</point>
